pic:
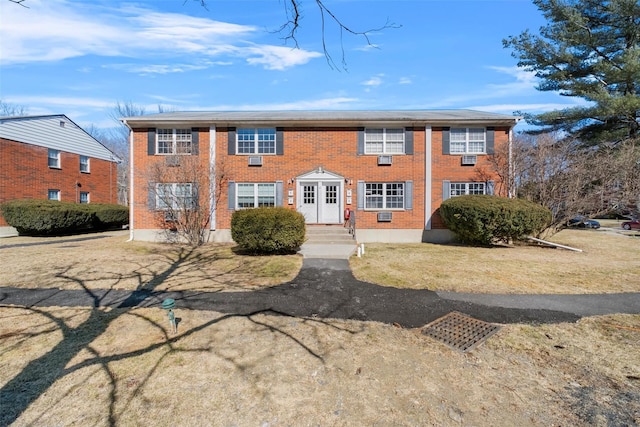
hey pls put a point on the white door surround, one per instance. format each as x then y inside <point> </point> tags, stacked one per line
<point>320,197</point>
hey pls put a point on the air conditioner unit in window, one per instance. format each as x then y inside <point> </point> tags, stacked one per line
<point>255,160</point>
<point>469,160</point>
<point>172,161</point>
<point>384,216</point>
<point>385,160</point>
<point>171,216</point>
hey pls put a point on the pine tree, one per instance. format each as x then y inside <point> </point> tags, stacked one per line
<point>589,49</point>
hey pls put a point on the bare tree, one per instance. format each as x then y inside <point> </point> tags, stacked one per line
<point>8,109</point>
<point>186,191</point>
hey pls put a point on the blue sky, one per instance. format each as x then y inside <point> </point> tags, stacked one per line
<point>81,57</point>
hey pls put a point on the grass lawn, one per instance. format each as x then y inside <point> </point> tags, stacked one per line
<point>123,367</point>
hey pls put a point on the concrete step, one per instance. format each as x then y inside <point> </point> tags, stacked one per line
<point>329,234</point>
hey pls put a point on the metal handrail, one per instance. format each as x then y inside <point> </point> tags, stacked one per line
<point>352,224</point>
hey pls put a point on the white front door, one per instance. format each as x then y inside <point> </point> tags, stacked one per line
<point>319,201</point>
<point>308,197</point>
<point>329,207</point>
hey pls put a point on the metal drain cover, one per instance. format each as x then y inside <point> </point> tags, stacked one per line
<point>459,331</point>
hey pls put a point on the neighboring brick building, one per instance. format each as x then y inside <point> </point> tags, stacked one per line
<point>391,168</point>
<point>51,157</point>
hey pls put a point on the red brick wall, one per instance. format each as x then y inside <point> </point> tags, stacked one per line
<point>335,150</point>
<point>25,174</point>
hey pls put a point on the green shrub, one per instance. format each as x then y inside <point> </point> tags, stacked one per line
<point>48,217</point>
<point>268,230</point>
<point>480,219</point>
<point>109,216</point>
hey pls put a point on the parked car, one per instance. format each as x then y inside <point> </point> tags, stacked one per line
<point>583,222</point>
<point>628,225</point>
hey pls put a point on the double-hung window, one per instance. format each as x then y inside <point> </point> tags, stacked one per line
<point>53,195</point>
<point>84,164</point>
<point>254,195</point>
<point>173,141</point>
<point>84,197</point>
<point>175,196</point>
<point>384,141</point>
<point>54,158</point>
<point>380,195</point>
<point>256,141</point>
<point>464,188</point>
<point>468,141</point>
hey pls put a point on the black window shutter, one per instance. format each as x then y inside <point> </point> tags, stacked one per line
<point>151,141</point>
<point>408,195</point>
<point>408,141</point>
<point>279,141</point>
<point>195,141</point>
<point>279,193</point>
<point>360,141</point>
<point>446,140</point>
<point>231,194</point>
<point>491,131</point>
<point>231,149</point>
<point>446,190</point>
<point>151,196</point>
<point>360,199</point>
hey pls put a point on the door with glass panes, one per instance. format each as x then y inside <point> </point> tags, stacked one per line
<point>319,201</point>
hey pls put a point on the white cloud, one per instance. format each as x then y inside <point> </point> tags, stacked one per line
<point>374,81</point>
<point>405,81</point>
<point>55,30</point>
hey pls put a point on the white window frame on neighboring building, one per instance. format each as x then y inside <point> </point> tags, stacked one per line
<point>468,141</point>
<point>84,197</point>
<point>174,141</point>
<point>175,196</point>
<point>84,164</point>
<point>255,194</point>
<point>53,194</point>
<point>384,195</point>
<point>384,141</point>
<point>466,188</point>
<point>252,141</point>
<point>53,158</point>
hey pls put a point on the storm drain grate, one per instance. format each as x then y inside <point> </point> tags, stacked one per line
<point>459,331</point>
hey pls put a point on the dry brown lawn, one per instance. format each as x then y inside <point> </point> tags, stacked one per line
<point>609,263</point>
<point>122,367</point>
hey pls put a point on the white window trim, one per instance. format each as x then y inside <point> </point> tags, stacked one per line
<point>160,203</point>
<point>56,157</point>
<point>174,142</point>
<point>384,142</point>
<point>255,194</point>
<point>88,197</point>
<point>384,196</point>
<point>58,194</point>
<point>466,142</point>
<point>256,142</point>
<point>88,170</point>
<point>466,188</point>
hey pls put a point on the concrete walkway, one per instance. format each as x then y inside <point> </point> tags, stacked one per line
<point>326,288</point>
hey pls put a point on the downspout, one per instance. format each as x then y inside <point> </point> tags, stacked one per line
<point>510,167</point>
<point>131,199</point>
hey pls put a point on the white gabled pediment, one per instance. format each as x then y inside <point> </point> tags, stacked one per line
<point>319,174</point>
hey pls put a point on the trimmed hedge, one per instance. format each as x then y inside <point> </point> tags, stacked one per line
<point>268,230</point>
<point>482,219</point>
<point>49,218</point>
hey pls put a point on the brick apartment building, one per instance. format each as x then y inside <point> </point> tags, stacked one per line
<point>392,169</point>
<point>51,157</point>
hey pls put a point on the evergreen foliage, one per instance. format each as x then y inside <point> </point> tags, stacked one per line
<point>268,230</point>
<point>484,220</point>
<point>50,218</point>
<point>589,49</point>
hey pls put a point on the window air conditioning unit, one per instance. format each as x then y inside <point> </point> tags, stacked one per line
<point>170,216</point>
<point>172,161</point>
<point>469,160</point>
<point>385,160</point>
<point>255,160</point>
<point>384,216</point>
